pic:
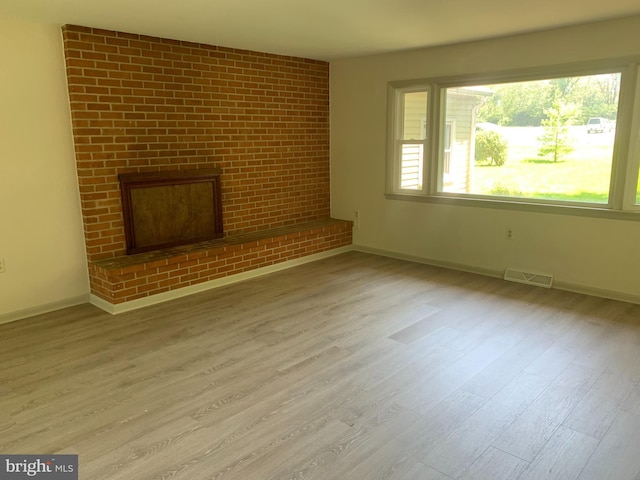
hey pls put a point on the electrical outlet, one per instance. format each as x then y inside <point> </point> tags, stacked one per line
<point>356,219</point>
<point>1,265</point>
<point>509,233</point>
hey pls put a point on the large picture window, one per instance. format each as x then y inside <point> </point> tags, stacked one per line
<point>554,139</point>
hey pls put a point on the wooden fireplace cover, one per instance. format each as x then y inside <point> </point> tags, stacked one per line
<point>170,208</point>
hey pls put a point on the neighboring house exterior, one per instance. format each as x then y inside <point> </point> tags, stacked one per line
<point>458,138</point>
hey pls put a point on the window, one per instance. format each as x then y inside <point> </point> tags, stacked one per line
<point>560,139</point>
<point>410,139</point>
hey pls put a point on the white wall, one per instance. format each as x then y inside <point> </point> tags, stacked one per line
<point>41,237</point>
<point>594,255</point>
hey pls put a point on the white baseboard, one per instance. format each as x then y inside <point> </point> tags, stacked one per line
<point>115,309</point>
<point>429,261</point>
<point>597,292</point>
<point>559,285</point>
<point>164,297</point>
<point>46,308</point>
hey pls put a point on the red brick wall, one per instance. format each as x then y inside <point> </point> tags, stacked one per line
<point>140,103</point>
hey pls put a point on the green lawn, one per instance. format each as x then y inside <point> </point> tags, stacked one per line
<point>583,176</point>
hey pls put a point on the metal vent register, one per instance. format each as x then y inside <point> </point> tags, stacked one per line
<point>519,276</point>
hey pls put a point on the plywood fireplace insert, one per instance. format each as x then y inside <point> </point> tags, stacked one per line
<point>169,208</point>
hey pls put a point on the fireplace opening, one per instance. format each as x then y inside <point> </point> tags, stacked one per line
<point>170,208</point>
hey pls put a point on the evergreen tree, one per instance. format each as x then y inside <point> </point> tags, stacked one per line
<point>556,139</point>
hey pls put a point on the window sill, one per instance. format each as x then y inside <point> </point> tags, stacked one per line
<point>504,204</point>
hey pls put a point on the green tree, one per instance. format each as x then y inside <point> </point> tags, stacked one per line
<point>556,140</point>
<point>601,97</point>
<point>524,103</point>
<point>517,104</point>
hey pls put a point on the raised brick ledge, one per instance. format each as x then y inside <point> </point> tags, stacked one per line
<point>132,263</point>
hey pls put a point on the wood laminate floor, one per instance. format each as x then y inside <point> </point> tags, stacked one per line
<point>352,367</point>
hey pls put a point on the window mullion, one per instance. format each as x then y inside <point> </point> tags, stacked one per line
<point>432,143</point>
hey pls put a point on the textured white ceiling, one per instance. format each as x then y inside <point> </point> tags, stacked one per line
<point>321,29</point>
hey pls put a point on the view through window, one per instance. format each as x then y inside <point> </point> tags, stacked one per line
<point>546,139</point>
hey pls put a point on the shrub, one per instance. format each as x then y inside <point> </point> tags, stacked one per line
<point>490,147</point>
<point>505,188</point>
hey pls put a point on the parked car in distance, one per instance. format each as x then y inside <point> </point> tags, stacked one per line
<point>598,125</point>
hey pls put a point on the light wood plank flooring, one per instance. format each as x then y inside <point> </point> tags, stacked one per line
<point>353,367</point>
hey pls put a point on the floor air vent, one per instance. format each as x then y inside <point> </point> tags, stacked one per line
<point>538,279</point>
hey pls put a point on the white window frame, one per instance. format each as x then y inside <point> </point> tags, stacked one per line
<point>394,146</point>
<point>626,151</point>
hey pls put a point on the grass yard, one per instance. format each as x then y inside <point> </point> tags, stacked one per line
<point>582,176</point>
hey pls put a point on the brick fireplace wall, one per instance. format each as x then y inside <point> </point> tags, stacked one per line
<point>141,103</point>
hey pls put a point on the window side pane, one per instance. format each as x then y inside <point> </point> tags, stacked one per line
<point>545,139</point>
<point>411,139</point>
